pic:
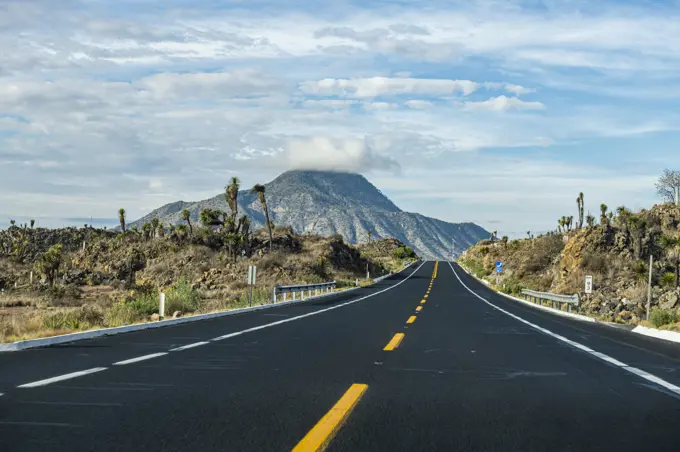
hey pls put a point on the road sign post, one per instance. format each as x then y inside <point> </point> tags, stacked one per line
<point>499,270</point>
<point>252,278</point>
<point>589,284</point>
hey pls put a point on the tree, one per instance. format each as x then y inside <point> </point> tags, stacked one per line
<point>181,232</point>
<point>161,230</point>
<point>49,263</point>
<point>579,203</point>
<point>32,223</point>
<point>623,215</point>
<point>231,239</point>
<point>637,228</point>
<point>213,217</point>
<point>121,218</point>
<point>259,190</point>
<point>668,186</point>
<point>505,240</point>
<point>146,231</point>
<point>370,236</point>
<point>12,222</point>
<point>231,195</point>
<point>244,227</point>
<point>570,221</point>
<point>529,234</point>
<point>154,227</point>
<point>186,216</point>
<point>603,214</point>
<point>590,220</point>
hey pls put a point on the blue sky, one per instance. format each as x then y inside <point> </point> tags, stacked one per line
<point>486,111</point>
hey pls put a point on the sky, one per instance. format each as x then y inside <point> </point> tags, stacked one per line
<point>494,112</point>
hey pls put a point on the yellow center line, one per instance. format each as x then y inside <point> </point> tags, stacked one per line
<point>411,319</point>
<point>425,296</point>
<point>419,308</point>
<point>394,343</point>
<point>323,432</point>
<point>422,301</point>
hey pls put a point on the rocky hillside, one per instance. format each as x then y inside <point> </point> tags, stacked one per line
<point>616,253</point>
<point>327,203</point>
<point>114,279</point>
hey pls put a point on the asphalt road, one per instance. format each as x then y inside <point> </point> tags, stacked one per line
<point>473,371</point>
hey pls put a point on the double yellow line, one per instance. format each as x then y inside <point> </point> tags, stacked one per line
<point>321,435</point>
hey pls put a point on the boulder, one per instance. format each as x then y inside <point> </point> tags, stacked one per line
<point>669,300</point>
<point>155,317</point>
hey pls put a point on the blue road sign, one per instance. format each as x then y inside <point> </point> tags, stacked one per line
<point>499,267</point>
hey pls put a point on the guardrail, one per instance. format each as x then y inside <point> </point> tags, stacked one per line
<point>326,287</point>
<point>537,297</point>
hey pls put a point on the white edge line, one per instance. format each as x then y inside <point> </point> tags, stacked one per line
<point>279,322</point>
<point>186,347</point>
<point>634,370</point>
<point>659,334</point>
<point>47,381</point>
<point>84,335</point>
<point>571,315</point>
<point>139,358</point>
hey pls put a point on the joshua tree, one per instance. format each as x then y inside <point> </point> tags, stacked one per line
<point>259,190</point>
<point>213,217</point>
<point>529,234</point>
<point>146,231</point>
<point>171,228</point>
<point>370,236</point>
<point>244,227</point>
<point>579,203</point>
<point>668,186</point>
<point>623,216</point>
<point>161,230</point>
<point>505,240</point>
<point>154,227</point>
<point>181,232</point>
<point>121,218</point>
<point>186,216</point>
<point>231,195</point>
<point>637,228</point>
<point>570,221</point>
<point>603,214</point>
<point>12,222</point>
<point>231,240</point>
<point>50,262</point>
<point>590,220</point>
<point>32,223</point>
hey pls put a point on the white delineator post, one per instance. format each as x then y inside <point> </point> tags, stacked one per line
<point>252,276</point>
<point>161,307</point>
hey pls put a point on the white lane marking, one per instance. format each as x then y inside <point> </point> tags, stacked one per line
<point>634,370</point>
<point>139,358</point>
<point>186,347</point>
<point>267,325</point>
<point>47,381</point>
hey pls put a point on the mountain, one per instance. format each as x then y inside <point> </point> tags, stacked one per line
<point>325,203</point>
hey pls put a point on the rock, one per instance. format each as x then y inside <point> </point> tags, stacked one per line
<point>176,314</point>
<point>155,317</point>
<point>669,300</point>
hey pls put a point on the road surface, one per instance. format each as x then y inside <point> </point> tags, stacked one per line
<point>416,362</point>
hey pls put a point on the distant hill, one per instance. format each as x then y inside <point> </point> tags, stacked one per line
<point>325,203</point>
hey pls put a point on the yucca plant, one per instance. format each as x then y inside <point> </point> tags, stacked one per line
<point>260,190</point>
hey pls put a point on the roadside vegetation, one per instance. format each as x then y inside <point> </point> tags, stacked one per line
<point>54,281</point>
<point>614,247</point>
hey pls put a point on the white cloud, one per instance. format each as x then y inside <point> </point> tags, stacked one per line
<point>380,86</point>
<point>324,153</point>
<point>503,103</point>
<point>379,106</point>
<point>418,104</point>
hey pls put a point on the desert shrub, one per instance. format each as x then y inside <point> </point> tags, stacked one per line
<point>543,252</point>
<point>667,279</point>
<point>511,286</point>
<point>659,317</point>
<point>181,297</point>
<point>596,263</point>
<point>122,313</point>
<point>475,267</point>
<point>484,250</point>
<point>271,260</point>
<point>404,252</point>
<point>84,317</point>
<point>337,238</point>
